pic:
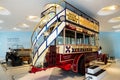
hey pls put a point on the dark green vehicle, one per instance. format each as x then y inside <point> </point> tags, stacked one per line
<point>18,55</point>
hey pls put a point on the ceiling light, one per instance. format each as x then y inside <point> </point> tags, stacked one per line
<point>4,11</point>
<point>109,10</point>
<point>33,18</point>
<point>115,27</point>
<point>117,30</point>
<point>113,7</point>
<point>24,25</point>
<point>1,21</point>
<point>116,19</point>
<point>16,29</point>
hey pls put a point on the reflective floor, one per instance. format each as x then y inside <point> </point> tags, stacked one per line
<point>21,73</point>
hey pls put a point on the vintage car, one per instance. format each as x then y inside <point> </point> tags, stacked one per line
<point>18,55</point>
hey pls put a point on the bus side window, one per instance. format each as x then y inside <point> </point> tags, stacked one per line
<point>79,38</point>
<point>69,37</point>
<point>59,39</point>
<point>87,39</point>
<point>92,40</point>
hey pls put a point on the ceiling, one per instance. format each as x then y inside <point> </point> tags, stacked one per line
<point>19,9</point>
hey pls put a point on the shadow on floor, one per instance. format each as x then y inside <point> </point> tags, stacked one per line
<point>59,74</point>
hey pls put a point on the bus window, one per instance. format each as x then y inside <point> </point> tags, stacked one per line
<point>80,38</point>
<point>69,37</point>
<point>87,39</point>
<point>59,39</point>
<point>92,40</point>
<point>96,39</point>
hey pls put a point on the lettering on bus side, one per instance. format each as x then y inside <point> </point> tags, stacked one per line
<point>70,49</point>
<point>81,49</point>
<point>72,16</point>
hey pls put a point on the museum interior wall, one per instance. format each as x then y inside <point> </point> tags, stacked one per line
<point>110,42</point>
<point>13,39</point>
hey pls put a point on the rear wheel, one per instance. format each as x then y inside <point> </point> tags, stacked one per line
<point>105,59</point>
<point>6,57</point>
<point>81,66</point>
<point>29,61</point>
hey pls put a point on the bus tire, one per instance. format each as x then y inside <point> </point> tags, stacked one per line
<point>29,61</point>
<point>105,59</point>
<point>81,66</point>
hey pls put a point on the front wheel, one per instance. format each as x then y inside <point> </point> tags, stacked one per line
<point>29,61</point>
<point>81,66</point>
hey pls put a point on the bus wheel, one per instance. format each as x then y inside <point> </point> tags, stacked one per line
<point>81,66</point>
<point>29,61</point>
<point>105,59</point>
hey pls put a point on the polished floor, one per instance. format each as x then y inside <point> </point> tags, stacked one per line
<point>21,73</point>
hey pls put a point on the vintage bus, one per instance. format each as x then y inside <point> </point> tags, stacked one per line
<point>66,38</point>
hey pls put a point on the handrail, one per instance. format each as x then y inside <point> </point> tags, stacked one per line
<point>38,26</point>
<point>48,23</point>
<point>41,21</point>
<point>45,41</point>
<point>43,27</point>
<point>46,10</point>
<point>54,29</point>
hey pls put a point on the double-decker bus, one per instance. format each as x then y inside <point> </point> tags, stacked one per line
<point>66,38</point>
